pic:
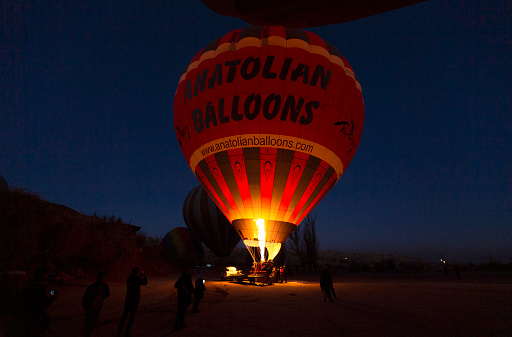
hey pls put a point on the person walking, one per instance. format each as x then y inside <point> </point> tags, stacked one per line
<point>326,283</point>
<point>199,290</point>
<point>131,303</point>
<point>93,301</point>
<point>185,290</point>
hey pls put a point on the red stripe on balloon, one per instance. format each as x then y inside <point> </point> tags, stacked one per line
<point>297,168</point>
<point>319,196</point>
<point>219,178</point>
<point>268,158</point>
<point>317,178</point>
<point>236,159</point>
<point>211,191</point>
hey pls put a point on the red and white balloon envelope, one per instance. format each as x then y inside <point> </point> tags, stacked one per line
<point>268,118</point>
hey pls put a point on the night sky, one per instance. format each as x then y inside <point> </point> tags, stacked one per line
<point>86,119</point>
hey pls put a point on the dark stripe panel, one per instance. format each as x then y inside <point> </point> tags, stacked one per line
<point>328,176</point>
<point>296,170</point>
<point>214,168</point>
<point>332,50</point>
<point>295,33</point>
<point>305,179</point>
<point>226,170</point>
<point>212,187</point>
<point>252,167</point>
<point>212,45</point>
<point>283,163</point>
<point>251,31</point>
<point>317,176</point>
<point>237,164</point>
<point>268,158</point>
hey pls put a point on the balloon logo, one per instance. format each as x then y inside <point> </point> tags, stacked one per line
<point>273,116</point>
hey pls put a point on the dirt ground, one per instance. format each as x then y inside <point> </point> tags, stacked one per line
<point>365,306</point>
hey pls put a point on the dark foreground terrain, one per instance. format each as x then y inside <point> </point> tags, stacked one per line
<point>365,306</point>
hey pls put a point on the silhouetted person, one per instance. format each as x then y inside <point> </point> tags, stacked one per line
<point>185,290</point>
<point>93,301</point>
<point>31,301</point>
<point>131,303</point>
<point>326,283</point>
<point>282,275</point>
<point>198,293</point>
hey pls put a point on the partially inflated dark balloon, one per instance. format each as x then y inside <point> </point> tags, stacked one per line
<point>304,13</point>
<point>182,243</point>
<point>206,220</point>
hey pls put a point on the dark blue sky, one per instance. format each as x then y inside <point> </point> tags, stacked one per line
<point>86,119</point>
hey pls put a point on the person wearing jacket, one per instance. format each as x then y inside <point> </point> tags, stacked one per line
<point>32,299</point>
<point>185,290</point>
<point>131,303</point>
<point>198,293</point>
<point>93,301</point>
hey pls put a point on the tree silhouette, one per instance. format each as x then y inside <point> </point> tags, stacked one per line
<point>311,243</point>
<point>304,242</point>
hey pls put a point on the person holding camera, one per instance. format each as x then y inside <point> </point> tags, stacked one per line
<point>199,290</point>
<point>133,283</point>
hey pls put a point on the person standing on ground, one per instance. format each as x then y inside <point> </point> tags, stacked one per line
<point>185,290</point>
<point>93,301</point>
<point>198,293</point>
<point>282,274</point>
<point>326,283</point>
<point>31,301</point>
<point>131,303</point>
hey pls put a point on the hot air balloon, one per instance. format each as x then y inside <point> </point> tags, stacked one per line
<point>183,244</point>
<point>304,13</point>
<point>268,118</point>
<point>206,221</point>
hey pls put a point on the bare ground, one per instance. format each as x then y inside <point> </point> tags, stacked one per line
<point>365,306</point>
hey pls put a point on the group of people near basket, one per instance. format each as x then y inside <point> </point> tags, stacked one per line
<point>35,296</point>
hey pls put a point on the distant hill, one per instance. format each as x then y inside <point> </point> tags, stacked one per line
<point>36,232</point>
<point>337,261</point>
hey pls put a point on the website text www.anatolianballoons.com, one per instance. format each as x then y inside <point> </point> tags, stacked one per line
<point>256,141</point>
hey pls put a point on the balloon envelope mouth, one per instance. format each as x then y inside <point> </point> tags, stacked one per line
<point>270,251</point>
<point>263,238</point>
<point>275,231</point>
